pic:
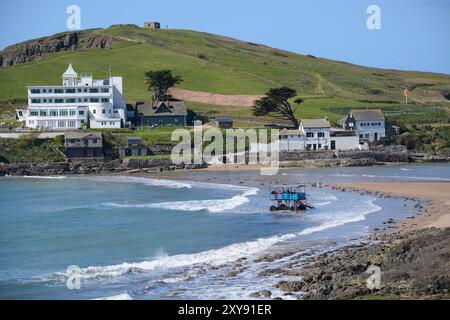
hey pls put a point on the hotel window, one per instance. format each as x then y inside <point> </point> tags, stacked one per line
<point>35,100</point>
<point>70,90</point>
<point>50,90</point>
<point>95,100</point>
<point>72,112</point>
<point>93,90</point>
<point>53,113</point>
<point>310,134</point>
<point>319,146</point>
<point>116,111</point>
<point>105,90</point>
<point>84,90</point>
<point>59,100</point>
<point>81,112</point>
<point>79,90</point>
<point>44,90</point>
<point>308,146</point>
<point>34,113</point>
<point>35,91</point>
<point>80,100</point>
<point>42,123</point>
<point>43,112</point>
<point>59,91</point>
<point>70,100</point>
<point>94,111</point>
<point>50,100</point>
<point>105,100</point>
<point>31,122</point>
<point>52,124</point>
<point>111,123</point>
<point>44,100</point>
<point>63,112</point>
<point>71,124</point>
<point>61,124</point>
<point>321,134</point>
<point>85,100</point>
<point>103,111</point>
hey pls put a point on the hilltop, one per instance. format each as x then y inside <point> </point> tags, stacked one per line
<point>206,62</point>
<point>211,64</point>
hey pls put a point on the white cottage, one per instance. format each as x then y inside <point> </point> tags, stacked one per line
<point>317,134</point>
<point>80,100</point>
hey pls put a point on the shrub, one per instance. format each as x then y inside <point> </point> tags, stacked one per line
<point>202,56</point>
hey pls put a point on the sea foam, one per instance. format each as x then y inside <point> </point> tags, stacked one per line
<point>218,256</point>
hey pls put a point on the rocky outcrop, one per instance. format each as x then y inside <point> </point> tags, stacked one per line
<point>412,265</point>
<point>34,49</point>
<point>395,153</point>
<point>91,166</point>
<point>441,156</point>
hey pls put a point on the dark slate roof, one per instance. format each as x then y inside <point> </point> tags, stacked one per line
<point>224,120</point>
<point>82,135</point>
<point>368,114</point>
<point>162,109</point>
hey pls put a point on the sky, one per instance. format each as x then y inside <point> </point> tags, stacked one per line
<point>413,34</point>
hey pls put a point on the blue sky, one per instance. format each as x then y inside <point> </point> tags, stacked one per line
<point>414,34</point>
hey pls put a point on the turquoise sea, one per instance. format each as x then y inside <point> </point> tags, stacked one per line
<point>177,237</point>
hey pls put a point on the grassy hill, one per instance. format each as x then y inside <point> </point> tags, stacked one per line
<point>224,65</point>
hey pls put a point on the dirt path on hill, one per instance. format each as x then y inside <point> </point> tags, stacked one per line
<point>213,98</point>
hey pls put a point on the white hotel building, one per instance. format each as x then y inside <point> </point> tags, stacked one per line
<point>80,101</point>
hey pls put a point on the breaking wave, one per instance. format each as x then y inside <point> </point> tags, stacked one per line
<point>138,180</point>
<point>217,256</point>
<point>44,177</point>
<point>214,205</point>
<point>121,296</point>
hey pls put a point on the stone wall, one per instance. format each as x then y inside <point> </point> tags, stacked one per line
<point>385,154</point>
<point>305,155</point>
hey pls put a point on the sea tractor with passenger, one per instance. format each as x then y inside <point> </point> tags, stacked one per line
<point>289,197</point>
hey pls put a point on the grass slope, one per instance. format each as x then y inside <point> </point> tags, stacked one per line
<point>221,65</point>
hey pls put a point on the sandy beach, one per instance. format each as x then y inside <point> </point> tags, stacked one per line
<point>437,214</point>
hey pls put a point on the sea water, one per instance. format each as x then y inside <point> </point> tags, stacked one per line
<point>151,238</point>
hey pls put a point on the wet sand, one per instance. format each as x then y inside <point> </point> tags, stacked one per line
<point>437,213</point>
